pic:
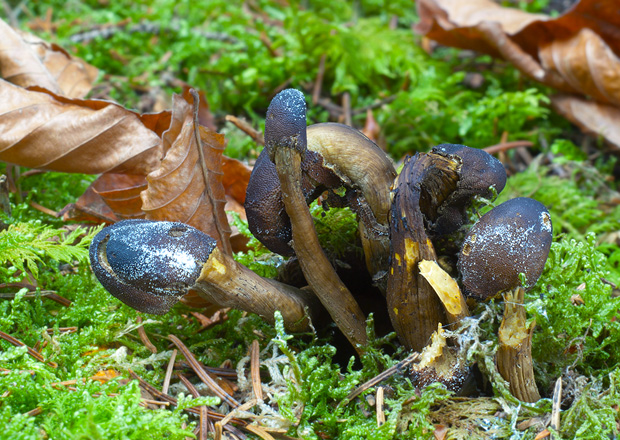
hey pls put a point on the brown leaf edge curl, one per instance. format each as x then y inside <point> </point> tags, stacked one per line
<point>27,60</point>
<point>40,129</point>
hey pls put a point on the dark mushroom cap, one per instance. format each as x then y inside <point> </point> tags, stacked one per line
<point>285,124</point>
<point>149,265</point>
<point>478,173</point>
<point>512,238</point>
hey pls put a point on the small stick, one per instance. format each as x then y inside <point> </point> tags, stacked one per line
<point>346,105</point>
<point>244,126</point>
<point>505,146</point>
<point>202,374</point>
<point>43,209</point>
<point>413,357</point>
<point>255,370</point>
<point>62,330</point>
<point>379,405</point>
<point>318,84</point>
<point>557,402</point>
<point>31,352</point>
<point>49,294</point>
<point>144,338</point>
<point>166,385</point>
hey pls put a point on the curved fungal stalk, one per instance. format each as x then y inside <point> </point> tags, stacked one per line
<point>514,354</point>
<point>429,198</point>
<point>285,139</point>
<point>150,265</point>
<point>337,157</point>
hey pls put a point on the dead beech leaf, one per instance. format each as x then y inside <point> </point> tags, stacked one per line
<point>577,52</point>
<point>121,192</point>
<point>587,63</point>
<point>235,179</point>
<point>187,186</point>
<point>27,60</point>
<point>592,117</point>
<point>39,129</point>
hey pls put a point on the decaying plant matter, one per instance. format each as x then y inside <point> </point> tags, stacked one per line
<point>150,265</point>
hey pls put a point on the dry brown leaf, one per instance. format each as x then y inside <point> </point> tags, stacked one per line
<point>235,179</point>
<point>26,60</point>
<point>592,117</point>
<point>577,52</point>
<point>121,192</point>
<point>587,63</point>
<point>187,187</point>
<point>39,129</point>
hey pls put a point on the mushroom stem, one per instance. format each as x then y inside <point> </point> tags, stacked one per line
<point>440,362</point>
<point>319,273</point>
<point>425,181</point>
<point>230,284</point>
<point>514,355</point>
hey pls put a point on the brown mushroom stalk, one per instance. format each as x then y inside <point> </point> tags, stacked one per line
<point>150,265</point>
<point>337,157</point>
<point>514,355</point>
<point>414,307</point>
<point>285,137</point>
<point>230,284</point>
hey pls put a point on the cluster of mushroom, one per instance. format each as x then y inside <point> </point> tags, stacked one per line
<point>151,265</point>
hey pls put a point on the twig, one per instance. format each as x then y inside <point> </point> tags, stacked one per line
<point>255,370</point>
<point>413,357</point>
<point>165,397</point>
<point>346,106</point>
<point>379,406</point>
<point>505,146</point>
<point>318,83</point>
<point>202,374</point>
<point>17,343</point>
<point>557,402</point>
<point>144,338</point>
<point>166,385</point>
<point>244,126</point>
<point>50,294</point>
<point>62,330</point>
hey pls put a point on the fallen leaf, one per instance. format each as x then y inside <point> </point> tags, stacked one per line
<point>187,186</point>
<point>592,117</point>
<point>587,63</point>
<point>576,52</point>
<point>40,129</point>
<point>27,60</point>
<point>104,376</point>
<point>235,179</point>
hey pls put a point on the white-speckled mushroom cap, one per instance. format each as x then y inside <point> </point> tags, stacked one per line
<point>512,238</point>
<point>149,265</point>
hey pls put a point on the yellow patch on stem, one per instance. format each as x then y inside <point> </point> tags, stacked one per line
<point>444,285</point>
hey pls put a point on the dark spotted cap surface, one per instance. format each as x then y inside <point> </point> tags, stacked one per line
<point>149,265</point>
<point>512,238</point>
<point>285,124</point>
